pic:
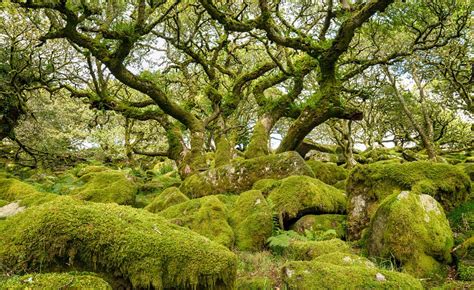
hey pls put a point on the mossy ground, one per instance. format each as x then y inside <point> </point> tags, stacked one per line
<point>139,247</point>
<point>56,281</point>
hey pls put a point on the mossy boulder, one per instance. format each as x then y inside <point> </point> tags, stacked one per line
<point>368,185</point>
<point>107,186</point>
<point>258,145</point>
<point>319,224</point>
<point>468,168</point>
<point>300,195</point>
<point>207,216</point>
<point>56,281</point>
<point>240,175</point>
<point>266,185</point>
<point>169,197</point>
<point>345,259</point>
<point>252,221</point>
<point>12,190</point>
<point>327,172</point>
<point>140,248</point>
<point>322,275</point>
<point>308,250</point>
<point>412,229</point>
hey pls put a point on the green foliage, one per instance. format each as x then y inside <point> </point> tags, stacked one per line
<point>140,248</point>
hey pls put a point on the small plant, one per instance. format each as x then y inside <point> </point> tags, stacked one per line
<point>279,242</point>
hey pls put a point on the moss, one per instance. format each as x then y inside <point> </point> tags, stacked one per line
<point>161,182</point>
<point>321,275</point>
<point>327,172</point>
<point>300,195</point>
<point>131,244</point>
<point>254,283</point>
<point>468,168</point>
<point>107,186</point>
<point>240,175</point>
<point>345,259</point>
<point>91,169</point>
<point>266,185</point>
<point>169,197</point>
<point>258,145</point>
<point>412,229</point>
<point>466,270</point>
<point>380,154</point>
<point>207,216</point>
<point>56,281</point>
<point>223,152</point>
<point>308,250</point>
<point>3,202</point>
<point>252,221</point>
<point>455,285</point>
<point>368,185</point>
<point>13,190</point>
<point>461,220</point>
<point>465,259</point>
<point>321,223</point>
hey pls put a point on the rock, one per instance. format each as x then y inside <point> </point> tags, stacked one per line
<point>252,221</point>
<point>207,216</point>
<point>141,248</point>
<point>266,185</point>
<point>320,224</point>
<point>10,209</point>
<point>169,197</point>
<point>300,195</point>
<point>56,281</point>
<point>368,185</point>
<point>327,172</point>
<point>345,259</point>
<point>412,229</point>
<point>308,250</point>
<point>14,190</point>
<point>106,186</point>
<point>240,175</point>
<point>321,275</point>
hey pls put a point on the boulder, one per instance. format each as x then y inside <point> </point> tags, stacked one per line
<point>141,248</point>
<point>412,229</point>
<point>106,186</point>
<point>56,281</point>
<point>266,185</point>
<point>345,259</point>
<point>252,221</point>
<point>328,172</point>
<point>13,190</point>
<point>300,195</point>
<point>368,185</point>
<point>320,224</point>
<point>308,250</point>
<point>169,197</point>
<point>240,175</point>
<point>323,275</point>
<point>207,216</point>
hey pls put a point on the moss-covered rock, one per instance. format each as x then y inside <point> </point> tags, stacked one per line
<point>207,216</point>
<point>169,197</point>
<point>56,281</point>
<point>368,185</point>
<point>258,145</point>
<point>345,259</point>
<point>266,185</point>
<point>412,229</point>
<point>308,250</point>
<point>468,168</point>
<point>240,175</point>
<point>107,186</point>
<point>139,247</point>
<point>12,190</point>
<point>327,172</point>
<point>300,195</point>
<point>81,171</point>
<point>223,152</point>
<point>252,221</point>
<point>321,275</point>
<point>319,224</point>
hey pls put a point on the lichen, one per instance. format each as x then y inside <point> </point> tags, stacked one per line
<point>327,172</point>
<point>412,229</point>
<point>130,244</point>
<point>207,216</point>
<point>107,186</point>
<point>308,250</point>
<point>240,175</point>
<point>300,195</point>
<point>322,275</point>
<point>169,197</point>
<point>448,184</point>
<point>251,219</point>
<point>56,281</point>
<point>319,224</point>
